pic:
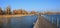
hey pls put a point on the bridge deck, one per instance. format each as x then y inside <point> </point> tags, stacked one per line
<point>42,23</point>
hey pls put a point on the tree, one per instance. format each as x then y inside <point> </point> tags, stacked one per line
<point>1,12</point>
<point>8,10</point>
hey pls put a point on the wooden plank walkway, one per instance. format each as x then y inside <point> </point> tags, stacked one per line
<point>42,23</point>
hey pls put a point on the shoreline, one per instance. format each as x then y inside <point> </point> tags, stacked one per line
<point>6,16</point>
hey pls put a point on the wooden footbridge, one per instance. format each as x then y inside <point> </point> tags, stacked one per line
<point>43,23</point>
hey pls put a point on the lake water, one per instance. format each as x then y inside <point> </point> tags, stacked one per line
<point>20,22</point>
<point>28,21</point>
<point>54,19</point>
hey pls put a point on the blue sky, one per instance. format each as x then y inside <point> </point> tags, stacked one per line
<point>29,5</point>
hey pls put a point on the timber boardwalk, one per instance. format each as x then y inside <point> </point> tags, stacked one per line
<point>42,23</point>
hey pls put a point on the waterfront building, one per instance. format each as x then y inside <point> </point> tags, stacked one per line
<point>20,12</point>
<point>33,12</point>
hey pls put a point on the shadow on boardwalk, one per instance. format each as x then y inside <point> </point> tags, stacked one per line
<point>42,23</point>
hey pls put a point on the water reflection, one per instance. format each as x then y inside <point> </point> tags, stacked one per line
<point>18,22</point>
<point>1,23</point>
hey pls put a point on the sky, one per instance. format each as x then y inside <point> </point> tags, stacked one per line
<point>32,5</point>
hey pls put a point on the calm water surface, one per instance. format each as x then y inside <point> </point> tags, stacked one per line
<point>20,22</point>
<point>28,21</point>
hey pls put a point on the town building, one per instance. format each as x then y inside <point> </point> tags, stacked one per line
<point>20,12</point>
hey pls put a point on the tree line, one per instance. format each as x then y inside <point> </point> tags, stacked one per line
<point>8,11</point>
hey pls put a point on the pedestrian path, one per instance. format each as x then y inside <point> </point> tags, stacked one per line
<point>42,23</point>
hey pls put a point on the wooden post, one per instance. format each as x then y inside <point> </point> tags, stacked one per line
<point>52,20</point>
<point>57,21</point>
